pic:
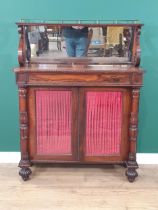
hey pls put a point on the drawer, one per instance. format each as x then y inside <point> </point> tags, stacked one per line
<point>80,79</point>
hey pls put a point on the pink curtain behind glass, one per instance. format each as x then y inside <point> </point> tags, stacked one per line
<point>53,121</point>
<point>103,123</point>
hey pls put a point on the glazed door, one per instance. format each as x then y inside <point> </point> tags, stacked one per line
<point>105,119</point>
<point>53,124</point>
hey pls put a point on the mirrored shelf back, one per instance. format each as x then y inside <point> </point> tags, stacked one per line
<point>108,41</point>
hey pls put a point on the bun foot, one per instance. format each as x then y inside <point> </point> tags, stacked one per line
<point>131,174</point>
<point>25,173</point>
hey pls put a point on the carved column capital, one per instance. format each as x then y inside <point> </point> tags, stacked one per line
<point>135,92</point>
<point>22,92</point>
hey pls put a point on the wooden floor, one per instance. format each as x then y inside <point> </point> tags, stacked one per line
<point>78,188</point>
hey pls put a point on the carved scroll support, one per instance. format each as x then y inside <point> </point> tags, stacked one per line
<point>21,48</point>
<point>24,162</point>
<point>136,46</point>
<point>132,165</point>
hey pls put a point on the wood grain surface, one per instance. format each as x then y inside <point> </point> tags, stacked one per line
<point>78,187</point>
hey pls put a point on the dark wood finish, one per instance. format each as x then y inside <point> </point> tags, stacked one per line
<point>136,46</point>
<point>21,48</point>
<point>127,82</point>
<point>24,162</point>
<point>133,130</point>
<point>77,24</point>
<point>25,173</point>
<point>79,76</point>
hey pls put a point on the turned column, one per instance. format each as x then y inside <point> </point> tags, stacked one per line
<point>132,165</point>
<point>24,162</point>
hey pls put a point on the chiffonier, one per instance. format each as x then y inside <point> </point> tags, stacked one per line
<point>80,110</point>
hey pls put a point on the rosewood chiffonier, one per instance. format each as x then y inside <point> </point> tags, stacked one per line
<point>80,110</point>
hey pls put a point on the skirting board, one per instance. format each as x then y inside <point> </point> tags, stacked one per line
<point>142,158</point>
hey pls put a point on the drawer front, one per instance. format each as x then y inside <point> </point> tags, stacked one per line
<point>80,79</point>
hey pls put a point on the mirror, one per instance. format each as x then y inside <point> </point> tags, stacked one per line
<point>58,41</point>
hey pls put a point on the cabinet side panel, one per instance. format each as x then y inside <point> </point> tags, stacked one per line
<point>53,122</point>
<point>103,123</point>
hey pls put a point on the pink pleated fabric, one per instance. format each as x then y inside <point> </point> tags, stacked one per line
<point>103,123</point>
<point>53,121</point>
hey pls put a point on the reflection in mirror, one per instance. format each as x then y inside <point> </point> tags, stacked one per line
<point>107,41</point>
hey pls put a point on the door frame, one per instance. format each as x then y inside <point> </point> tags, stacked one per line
<point>32,144</point>
<point>126,107</point>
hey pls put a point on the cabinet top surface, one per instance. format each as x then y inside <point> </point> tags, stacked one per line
<point>77,68</point>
